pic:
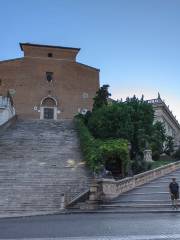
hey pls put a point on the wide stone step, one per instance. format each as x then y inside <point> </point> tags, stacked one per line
<point>40,160</point>
<point>137,205</point>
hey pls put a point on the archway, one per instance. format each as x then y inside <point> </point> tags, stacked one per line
<point>115,167</point>
<point>48,109</point>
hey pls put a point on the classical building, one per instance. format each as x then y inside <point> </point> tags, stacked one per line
<point>163,114</point>
<point>48,82</point>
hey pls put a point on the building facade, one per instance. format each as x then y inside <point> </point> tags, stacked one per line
<point>48,82</point>
<point>163,114</point>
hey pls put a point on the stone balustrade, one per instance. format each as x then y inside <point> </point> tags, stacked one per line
<point>112,189</point>
<point>7,111</point>
<point>8,123</point>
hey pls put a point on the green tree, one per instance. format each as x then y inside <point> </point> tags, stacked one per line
<point>176,155</point>
<point>158,139</point>
<point>111,121</point>
<point>102,152</point>
<point>169,145</point>
<point>115,155</point>
<point>142,116</point>
<point>131,120</point>
<point>101,97</point>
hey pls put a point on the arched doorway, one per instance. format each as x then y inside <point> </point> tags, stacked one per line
<point>48,109</point>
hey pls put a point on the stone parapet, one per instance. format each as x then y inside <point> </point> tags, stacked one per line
<point>112,189</point>
<point>8,123</point>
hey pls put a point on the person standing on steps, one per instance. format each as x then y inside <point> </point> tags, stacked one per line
<point>174,193</point>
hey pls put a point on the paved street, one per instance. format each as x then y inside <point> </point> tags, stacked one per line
<point>93,226</point>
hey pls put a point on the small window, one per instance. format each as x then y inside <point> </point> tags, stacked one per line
<point>50,55</point>
<point>49,76</point>
<point>0,82</point>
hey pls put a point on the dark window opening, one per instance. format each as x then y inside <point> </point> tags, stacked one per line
<point>50,55</point>
<point>49,76</point>
<point>0,82</point>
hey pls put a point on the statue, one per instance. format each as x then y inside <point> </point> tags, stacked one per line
<point>147,155</point>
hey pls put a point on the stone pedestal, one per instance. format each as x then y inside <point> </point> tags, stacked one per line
<point>148,155</point>
<point>95,195</point>
<point>63,202</point>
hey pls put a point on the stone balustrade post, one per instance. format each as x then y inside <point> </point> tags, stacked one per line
<point>63,202</point>
<point>95,195</point>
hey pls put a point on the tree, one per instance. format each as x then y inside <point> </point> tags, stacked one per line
<point>169,145</point>
<point>98,153</point>
<point>158,139</point>
<point>142,116</point>
<point>101,98</point>
<point>111,121</point>
<point>131,120</point>
<point>176,155</point>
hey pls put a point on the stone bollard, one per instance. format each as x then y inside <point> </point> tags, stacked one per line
<point>63,202</point>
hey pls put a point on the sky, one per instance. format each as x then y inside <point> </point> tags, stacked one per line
<point>134,43</point>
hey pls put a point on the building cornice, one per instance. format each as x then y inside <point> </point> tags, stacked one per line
<point>47,46</point>
<point>159,103</point>
<point>10,60</point>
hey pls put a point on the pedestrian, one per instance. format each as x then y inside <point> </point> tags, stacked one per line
<point>174,193</point>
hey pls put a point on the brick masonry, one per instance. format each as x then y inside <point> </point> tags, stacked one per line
<point>27,76</point>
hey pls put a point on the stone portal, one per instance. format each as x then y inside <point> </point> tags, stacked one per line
<point>48,109</point>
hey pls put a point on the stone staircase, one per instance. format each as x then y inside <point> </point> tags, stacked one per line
<point>39,161</point>
<point>151,197</point>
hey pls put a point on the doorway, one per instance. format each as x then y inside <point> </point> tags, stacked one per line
<point>48,109</point>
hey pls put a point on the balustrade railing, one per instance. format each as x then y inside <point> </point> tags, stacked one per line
<point>112,188</point>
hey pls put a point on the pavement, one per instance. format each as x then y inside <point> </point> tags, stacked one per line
<point>93,226</point>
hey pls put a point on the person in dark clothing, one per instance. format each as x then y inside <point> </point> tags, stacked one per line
<point>174,193</point>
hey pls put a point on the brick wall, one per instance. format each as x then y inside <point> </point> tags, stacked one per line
<point>27,76</point>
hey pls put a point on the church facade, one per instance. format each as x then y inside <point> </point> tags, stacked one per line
<point>48,82</point>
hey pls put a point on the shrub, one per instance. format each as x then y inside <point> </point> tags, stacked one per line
<point>89,146</point>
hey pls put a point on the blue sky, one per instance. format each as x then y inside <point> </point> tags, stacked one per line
<point>135,43</point>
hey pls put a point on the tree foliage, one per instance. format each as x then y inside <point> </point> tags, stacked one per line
<point>176,155</point>
<point>101,98</point>
<point>169,145</point>
<point>115,152</point>
<point>98,152</point>
<point>131,120</point>
<point>158,138</point>
<point>89,145</point>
